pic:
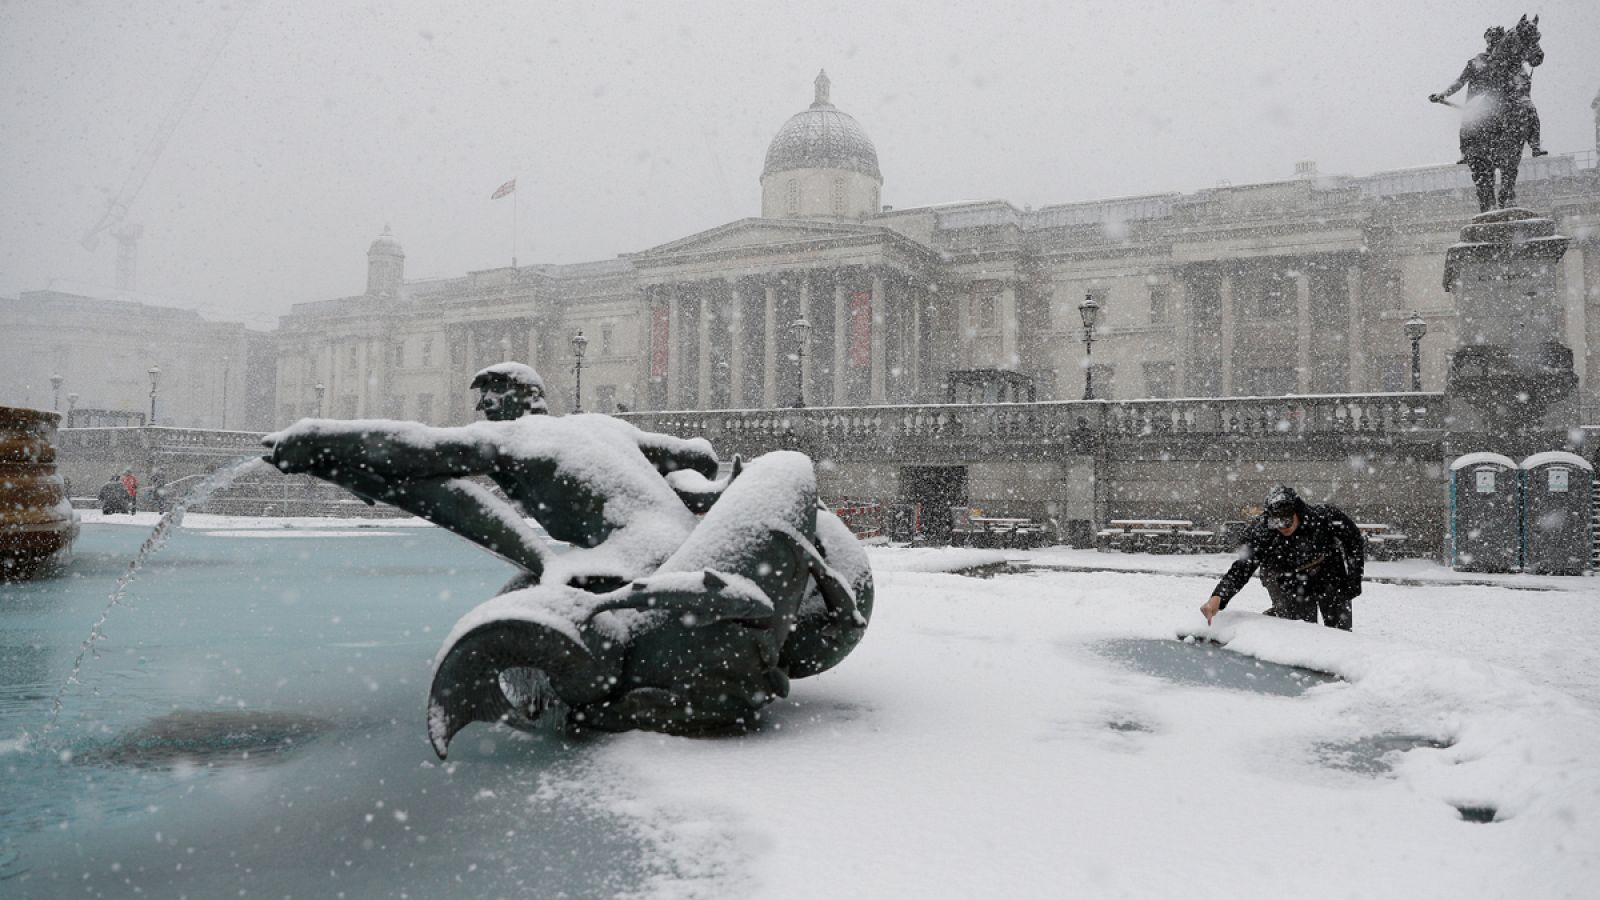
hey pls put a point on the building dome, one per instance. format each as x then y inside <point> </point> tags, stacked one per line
<point>385,245</point>
<point>822,137</point>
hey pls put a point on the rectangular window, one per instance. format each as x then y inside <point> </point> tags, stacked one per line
<point>1105,381</point>
<point>394,407</point>
<point>1395,374</point>
<point>424,410</point>
<point>838,196</point>
<point>987,313</point>
<point>1275,295</point>
<point>351,360</point>
<point>397,354</point>
<point>1266,382</point>
<point>427,352</point>
<point>1205,377</point>
<point>607,340</point>
<point>1159,380</point>
<point>1160,304</point>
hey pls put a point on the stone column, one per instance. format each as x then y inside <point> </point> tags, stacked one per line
<point>769,349</point>
<point>1302,331</point>
<point>805,360</point>
<point>736,351</point>
<point>841,342</point>
<point>674,357</point>
<point>879,321</point>
<point>1182,338</point>
<point>1576,327</point>
<point>1225,297</point>
<point>1009,355</point>
<point>1357,379</point>
<point>914,300</point>
<point>703,359</point>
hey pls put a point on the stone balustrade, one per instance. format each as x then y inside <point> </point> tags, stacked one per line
<point>1071,426</point>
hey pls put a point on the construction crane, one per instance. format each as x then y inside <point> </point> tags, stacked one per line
<point>127,235</point>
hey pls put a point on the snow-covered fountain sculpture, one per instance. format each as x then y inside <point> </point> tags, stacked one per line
<point>684,605</point>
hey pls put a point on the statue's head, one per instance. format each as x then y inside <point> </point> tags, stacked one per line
<point>509,391</point>
<point>1493,35</point>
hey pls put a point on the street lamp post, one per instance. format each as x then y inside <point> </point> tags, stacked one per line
<point>1090,311</point>
<point>55,385</point>
<point>155,377</point>
<point>802,336</point>
<point>224,393</point>
<point>1415,329</point>
<point>579,345</point>
<point>321,389</point>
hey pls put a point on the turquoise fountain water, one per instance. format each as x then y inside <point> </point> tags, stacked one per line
<point>252,720</point>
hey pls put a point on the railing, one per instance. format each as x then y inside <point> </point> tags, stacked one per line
<point>163,438</point>
<point>1056,424</point>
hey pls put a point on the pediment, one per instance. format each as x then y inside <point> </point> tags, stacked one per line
<point>754,233</point>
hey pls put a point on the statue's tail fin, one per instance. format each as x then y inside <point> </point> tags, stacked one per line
<point>469,686</point>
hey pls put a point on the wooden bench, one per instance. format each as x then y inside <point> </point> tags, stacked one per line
<point>1155,536</point>
<point>998,531</point>
<point>1383,541</point>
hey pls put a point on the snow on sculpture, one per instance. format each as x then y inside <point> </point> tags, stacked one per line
<point>685,604</point>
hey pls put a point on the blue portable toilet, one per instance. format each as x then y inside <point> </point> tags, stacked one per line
<point>1557,498</point>
<point>1485,514</point>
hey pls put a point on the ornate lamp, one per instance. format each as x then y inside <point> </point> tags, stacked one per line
<point>1415,329</point>
<point>579,345</point>
<point>802,337</point>
<point>1089,310</point>
<point>155,377</point>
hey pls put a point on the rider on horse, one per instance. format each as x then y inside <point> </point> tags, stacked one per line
<point>1500,116</point>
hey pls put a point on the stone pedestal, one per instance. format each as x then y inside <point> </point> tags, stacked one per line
<point>37,524</point>
<point>1511,385</point>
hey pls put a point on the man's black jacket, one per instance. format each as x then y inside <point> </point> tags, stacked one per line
<point>1324,557</point>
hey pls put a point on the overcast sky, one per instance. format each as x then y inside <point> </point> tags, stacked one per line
<point>631,124</point>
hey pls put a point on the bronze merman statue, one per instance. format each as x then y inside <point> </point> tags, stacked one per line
<point>657,618</point>
<point>1499,116</point>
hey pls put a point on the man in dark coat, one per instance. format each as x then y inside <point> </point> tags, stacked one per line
<point>1311,558</point>
<point>113,496</point>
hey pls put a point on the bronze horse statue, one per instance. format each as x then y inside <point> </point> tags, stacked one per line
<point>1499,117</point>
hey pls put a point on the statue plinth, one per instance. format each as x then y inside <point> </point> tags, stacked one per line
<point>37,524</point>
<point>1511,380</point>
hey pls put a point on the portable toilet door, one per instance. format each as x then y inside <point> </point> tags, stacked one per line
<point>1485,514</point>
<point>1557,489</point>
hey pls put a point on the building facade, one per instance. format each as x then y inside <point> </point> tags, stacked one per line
<point>217,375</point>
<point>1295,287</point>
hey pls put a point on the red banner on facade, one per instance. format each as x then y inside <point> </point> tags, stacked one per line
<point>660,333</point>
<point>861,329</point>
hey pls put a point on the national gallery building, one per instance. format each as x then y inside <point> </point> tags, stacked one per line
<point>831,298</point>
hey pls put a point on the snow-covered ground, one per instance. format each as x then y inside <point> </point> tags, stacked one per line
<point>991,736</point>
<point>977,743</point>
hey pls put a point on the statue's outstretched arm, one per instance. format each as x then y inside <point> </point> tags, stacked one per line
<point>392,450</point>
